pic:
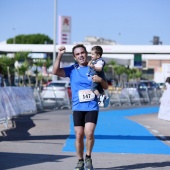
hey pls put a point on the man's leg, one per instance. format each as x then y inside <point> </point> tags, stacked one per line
<point>89,132</point>
<point>79,131</point>
<point>78,118</point>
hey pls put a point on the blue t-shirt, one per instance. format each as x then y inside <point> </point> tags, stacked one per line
<point>80,81</point>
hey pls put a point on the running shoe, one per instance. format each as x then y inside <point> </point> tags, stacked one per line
<point>106,101</point>
<point>88,164</point>
<point>80,165</point>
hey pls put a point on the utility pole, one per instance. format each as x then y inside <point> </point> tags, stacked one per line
<point>54,77</point>
<point>14,36</point>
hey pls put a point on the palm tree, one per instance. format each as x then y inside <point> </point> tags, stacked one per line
<point>47,64</point>
<point>119,70</point>
<point>7,66</point>
<point>128,73</point>
<point>38,65</point>
<point>21,56</point>
<point>138,73</point>
<point>22,71</point>
<point>24,67</point>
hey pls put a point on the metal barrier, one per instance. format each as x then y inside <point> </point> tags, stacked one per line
<point>120,97</point>
<point>159,93</point>
<point>4,121</point>
<point>153,96</point>
<point>115,98</point>
<point>134,97</point>
<point>144,97</point>
<point>124,97</point>
<point>3,116</point>
<point>38,99</point>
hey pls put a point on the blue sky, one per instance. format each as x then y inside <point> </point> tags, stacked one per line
<point>129,22</point>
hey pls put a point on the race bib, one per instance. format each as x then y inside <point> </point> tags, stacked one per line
<point>86,95</point>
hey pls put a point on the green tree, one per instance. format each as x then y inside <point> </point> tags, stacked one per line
<point>119,70</point>
<point>132,73</point>
<point>30,39</point>
<point>135,74</point>
<point>22,71</point>
<point>138,73</point>
<point>111,65</point>
<point>21,56</point>
<point>22,68</point>
<point>38,64</point>
<point>128,73</point>
<point>47,64</point>
<point>7,66</point>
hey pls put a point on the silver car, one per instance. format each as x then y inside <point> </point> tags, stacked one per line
<point>57,94</point>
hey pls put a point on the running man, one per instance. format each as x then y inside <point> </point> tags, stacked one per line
<point>84,102</point>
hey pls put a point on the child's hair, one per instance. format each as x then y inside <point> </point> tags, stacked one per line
<point>168,80</point>
<point>98,50</point>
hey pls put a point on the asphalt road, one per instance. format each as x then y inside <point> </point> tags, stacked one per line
<point>35,142</point>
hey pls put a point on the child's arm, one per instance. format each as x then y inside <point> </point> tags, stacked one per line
<point>97,68</point>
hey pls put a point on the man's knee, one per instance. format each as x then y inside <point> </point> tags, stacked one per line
<point>79,136</point>
<point>89,130</point>
<point>89,135</point>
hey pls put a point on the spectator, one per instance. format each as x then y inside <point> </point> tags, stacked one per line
<point>164,109</point>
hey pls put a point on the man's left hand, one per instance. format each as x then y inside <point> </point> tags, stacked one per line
<point>96,78</point>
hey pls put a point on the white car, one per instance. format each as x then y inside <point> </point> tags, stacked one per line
<point>57,94</point>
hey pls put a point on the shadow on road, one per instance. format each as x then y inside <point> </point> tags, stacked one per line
<point>155,165</point>
<point>19,131</point>
<point>23,159</point>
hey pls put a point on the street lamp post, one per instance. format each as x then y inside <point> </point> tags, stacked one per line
<point>54,42</point>
<point>14,36</point>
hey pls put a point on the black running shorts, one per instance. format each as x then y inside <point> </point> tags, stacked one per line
<point>82,117</point>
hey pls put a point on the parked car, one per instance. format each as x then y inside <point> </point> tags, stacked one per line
<point>148,84</point>
<point>143,84</point>
<point>57,93</point>
<point>148,91</point>
<point>161,85</point>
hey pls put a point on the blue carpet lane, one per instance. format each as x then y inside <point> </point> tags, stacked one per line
<point>116,134</point>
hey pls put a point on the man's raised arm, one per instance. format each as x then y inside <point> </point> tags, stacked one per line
<point>56,67</point>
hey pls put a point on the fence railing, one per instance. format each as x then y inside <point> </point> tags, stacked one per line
<point>18,100</point>
<point>119,97</point>
<point>132,96</point>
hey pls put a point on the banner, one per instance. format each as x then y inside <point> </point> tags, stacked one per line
<point>15,101</point>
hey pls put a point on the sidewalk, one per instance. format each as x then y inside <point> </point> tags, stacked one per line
<point>35,142</point>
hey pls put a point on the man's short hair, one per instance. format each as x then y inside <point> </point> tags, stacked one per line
<point>78,46</point>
